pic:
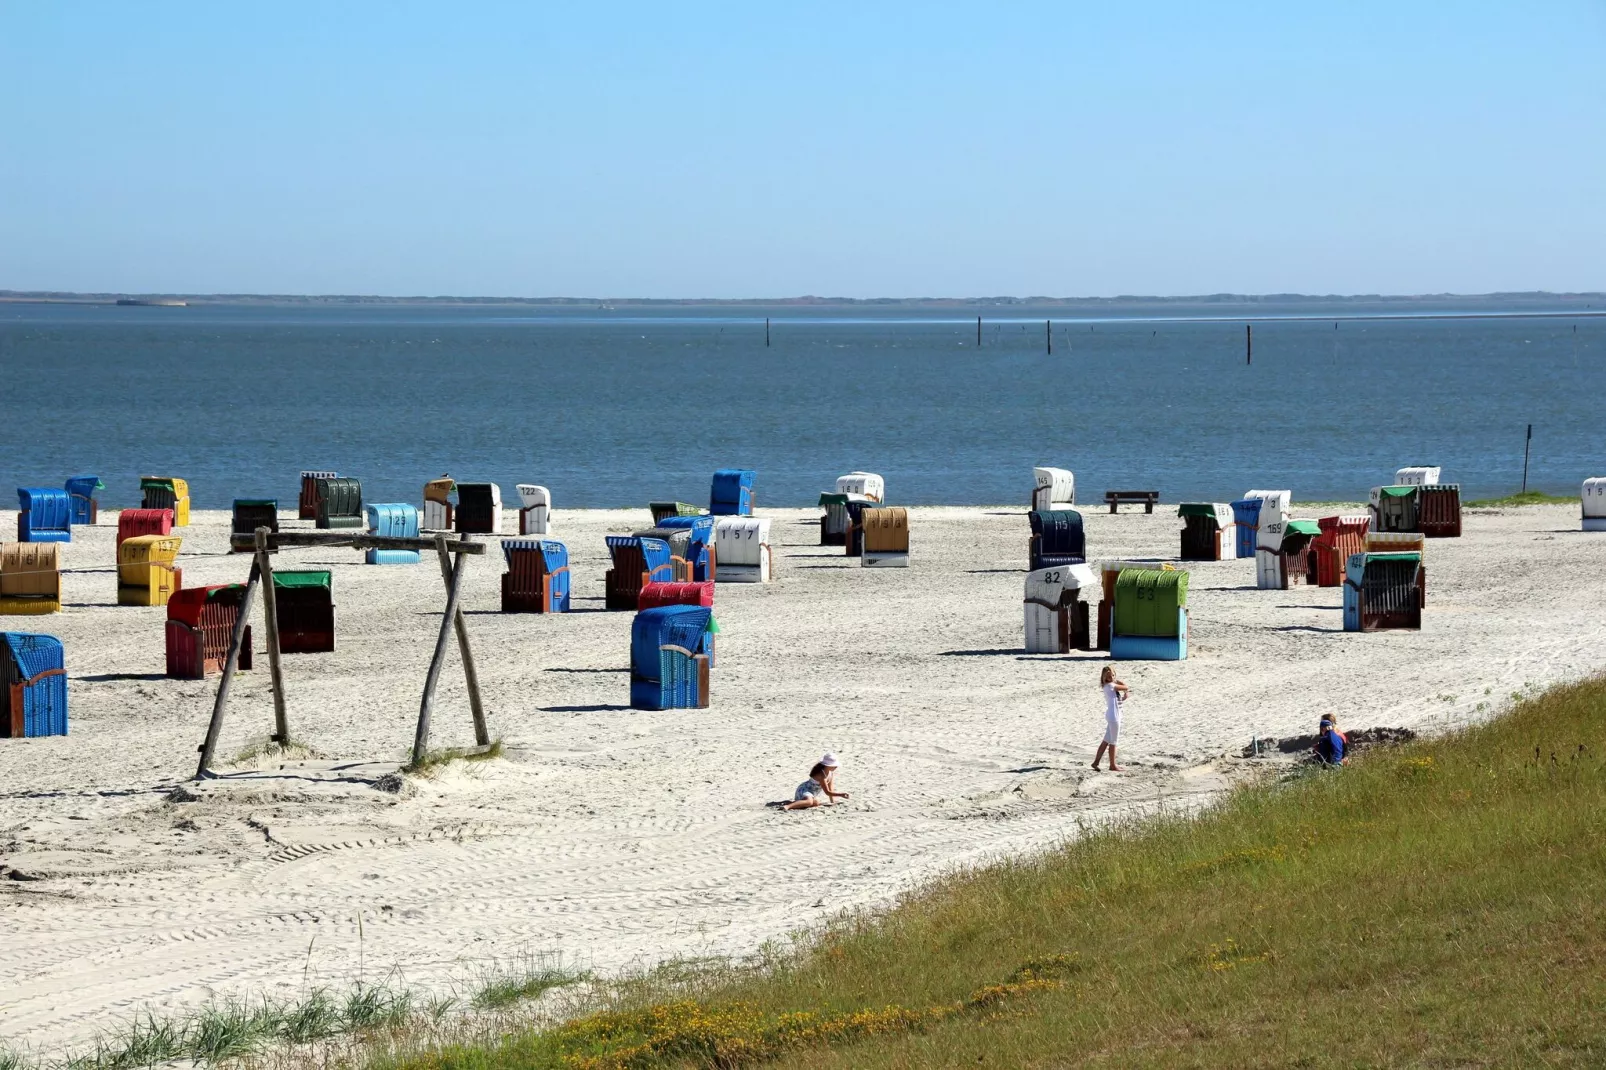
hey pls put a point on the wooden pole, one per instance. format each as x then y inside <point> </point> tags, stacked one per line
<point>1249,344</point>
<point>270,620</point>
<point>978,332</point>
<point>421,739</point>
<point>766,332</point>
<point>231,664</point>
<point>1525,446</point>
<point>1048,335</point>
<point>471,675</point>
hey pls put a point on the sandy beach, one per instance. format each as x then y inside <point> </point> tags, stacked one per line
<point>619,838</point>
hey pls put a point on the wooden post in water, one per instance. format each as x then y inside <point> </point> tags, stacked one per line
<point>1048,334</point>
<point>978,332</point>
<point>471,675</point>
<point>766,332</point>
<point>1528,442</point>
<point>231,665</point>
<point>438,659</point>
<point>270,620</point>
<point>1249,344</point>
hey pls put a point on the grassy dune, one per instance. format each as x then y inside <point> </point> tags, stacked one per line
<point>1439,904</point>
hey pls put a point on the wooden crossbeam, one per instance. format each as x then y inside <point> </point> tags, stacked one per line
<point>357,539</point>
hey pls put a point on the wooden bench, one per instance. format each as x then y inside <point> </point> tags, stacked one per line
<point>1147,498</point>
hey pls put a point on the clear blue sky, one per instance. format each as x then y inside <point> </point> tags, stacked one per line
<point>686,150</point>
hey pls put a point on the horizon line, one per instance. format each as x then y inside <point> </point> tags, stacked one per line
<point>807,300</point>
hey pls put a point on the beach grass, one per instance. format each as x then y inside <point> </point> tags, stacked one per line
<point>229,1031</point>
<point>1527,497</point>
<point>435,759</point>
<point>265,749</point>
<point>1441,903</point>
<point>505,986</point>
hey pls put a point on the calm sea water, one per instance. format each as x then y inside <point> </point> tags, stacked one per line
<point>608,408</point>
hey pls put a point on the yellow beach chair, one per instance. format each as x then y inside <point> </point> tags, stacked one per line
<point>30,578</point>
<point>167,492</point>
<point>146,574</point>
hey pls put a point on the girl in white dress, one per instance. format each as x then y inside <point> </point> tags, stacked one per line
<point>1115,693</point>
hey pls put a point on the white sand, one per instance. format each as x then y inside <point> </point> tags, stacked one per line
<point>620,837</point>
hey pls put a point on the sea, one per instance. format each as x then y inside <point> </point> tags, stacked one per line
<point>616,407</point>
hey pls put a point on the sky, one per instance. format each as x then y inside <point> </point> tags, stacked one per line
<point>840,149</point>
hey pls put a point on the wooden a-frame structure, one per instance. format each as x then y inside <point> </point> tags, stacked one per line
<point>453,555</point>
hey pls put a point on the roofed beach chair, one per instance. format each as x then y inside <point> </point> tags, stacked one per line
<point>836,522</point>
<point>537,579</point>
<point>670,658</point>
<point>252,513</point>
<point>1208,531</point>
<point>1057,538</point>
<point>731,493</point>
<point>856,508</point>
<point>696,549</point>
<point>45,515</point>
<point>1052,488</point>
<point>479,509</point>
<point>1383,591</point>
<point>200,629</point>
<point>131,522</point>
<point>1056,610</point>
<point>167,492</point>
<point>1295,554</point>
<point>865,484</point>
<point>1438,510</point>
<point>535,509</point>
<point>1109,572</point>
<point>305,606</point>
<point>663,510</point>
<point>637,561</point>
<point>439,513</point>
<point>1416,476</point>
<point>30,578</point>
<point>742,545</point>
<point>85,506</point>
<point>1269,527</point>
<point>340,503</point>
<point>33,686</point>
<point>307,504</point>
<point>886,537</point>
<point>1150,621</point>
<point>147,573</point>
<point>392,520</point>
<point>1394,508</point>
<point>1593,497</point>
<point>1340,536</point>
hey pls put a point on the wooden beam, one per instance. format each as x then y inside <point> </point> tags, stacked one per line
<point>426,705</point>
<point>270,620</point>
<point>357,539</point>
<point>230,665</point>
<point>471,676</point>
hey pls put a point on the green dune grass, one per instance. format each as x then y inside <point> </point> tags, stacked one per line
<point>1527,497</point>
<point>1438,904</point>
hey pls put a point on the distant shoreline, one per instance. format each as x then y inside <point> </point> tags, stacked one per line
<point>1537,300</point>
